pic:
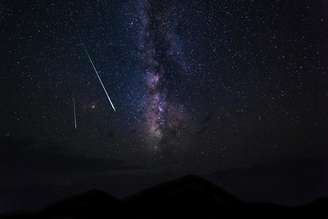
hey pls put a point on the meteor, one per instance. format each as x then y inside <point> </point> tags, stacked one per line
<point>99,78</point>
<point>74,113</point>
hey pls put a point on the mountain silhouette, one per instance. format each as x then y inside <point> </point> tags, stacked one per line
<point>181,196</point>
<point>277,182</point>
<point>83,205</point>
<point>186,197</point>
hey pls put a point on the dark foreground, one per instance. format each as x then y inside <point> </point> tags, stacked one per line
<point>187,197</point>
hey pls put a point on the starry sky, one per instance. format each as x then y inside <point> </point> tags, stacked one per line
<point>197,85</point>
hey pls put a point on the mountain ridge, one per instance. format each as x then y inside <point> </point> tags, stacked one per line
<point>184,197</point>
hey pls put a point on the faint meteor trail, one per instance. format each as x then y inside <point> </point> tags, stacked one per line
<point>99,78</point>
<point>74,113</point>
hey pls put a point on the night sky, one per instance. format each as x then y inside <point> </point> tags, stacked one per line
<point>198,86</point>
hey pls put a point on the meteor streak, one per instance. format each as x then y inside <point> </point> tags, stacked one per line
<point>74,113</point>
<point>99,78</point>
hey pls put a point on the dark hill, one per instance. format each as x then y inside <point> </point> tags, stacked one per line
<point>189,194</point>
<point>286,182</point>
<point>186,197</point>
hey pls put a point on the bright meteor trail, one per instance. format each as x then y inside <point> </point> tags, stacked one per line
<point>74,111</point>
<point>99,78</point>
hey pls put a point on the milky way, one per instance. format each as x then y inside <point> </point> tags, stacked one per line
<point>158,43</point>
